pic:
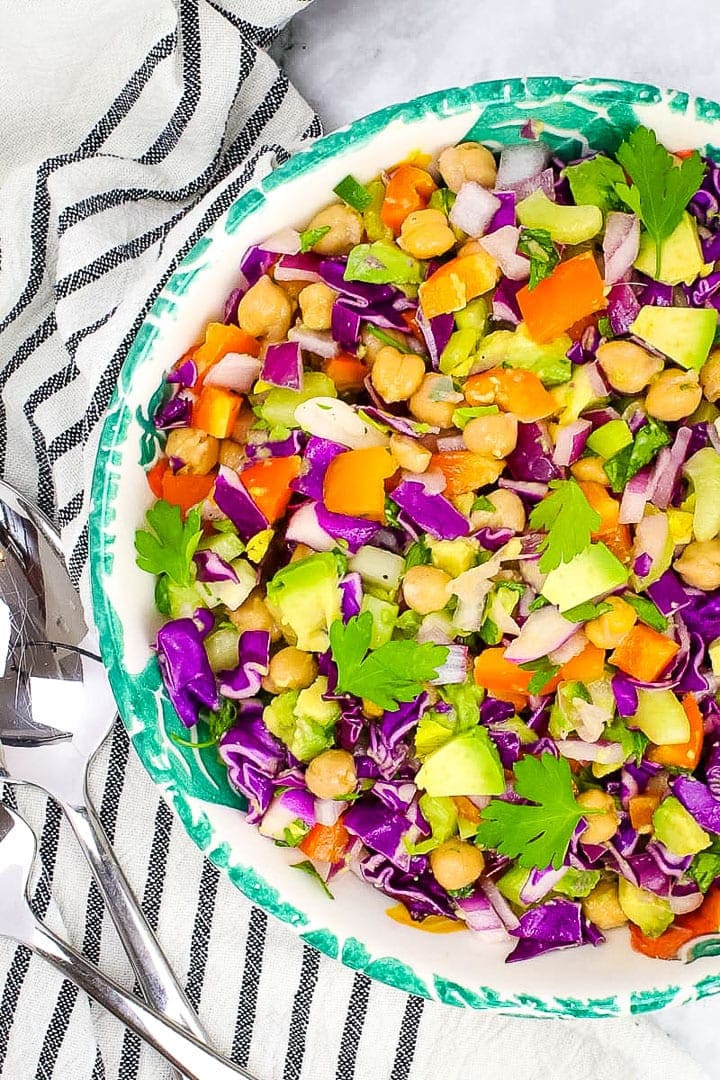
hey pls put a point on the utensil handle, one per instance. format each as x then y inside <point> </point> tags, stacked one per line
<point>153,971</point>
<point>183,1051</point>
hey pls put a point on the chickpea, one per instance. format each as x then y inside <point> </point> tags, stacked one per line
<point>371,710</point>
<point>331,774</point>
<point>600,827</point>
<point>372,345</point>
<point>253,614</point>
<point>590,469</point>
<point>456,864</point>
<point>426,408</point>
<point>627,366</point>
<point>468,161</point>
<point>395,375</point>
<point>231,454</point>
<point>316,302</point>
<point>509,512</point>
<point>409,453</point>
<point>265,310</point>
<point>673,395</point>
<point>494,435</point>
<point>426,589</point>
<point>602,907</point>
<point>425,234</point>
<point>710,376</point>
<point>608,630</point>
<point>245,420</point>
<point>346,229</point>
<point>195,448</point>
<point>290,669</point>
<point>699,564</point>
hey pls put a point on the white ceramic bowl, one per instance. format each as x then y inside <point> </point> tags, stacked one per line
<point>453,968</point>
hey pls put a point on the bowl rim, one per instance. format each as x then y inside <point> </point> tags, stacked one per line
<point>512,92</point>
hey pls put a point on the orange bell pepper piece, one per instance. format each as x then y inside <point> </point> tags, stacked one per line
<point>457,282</point>
<point>603,504</point>
<point>221,339</point>
<point>268,484</point>
<point>355,482</point>
<point>684,755</point>
<point>619,541</point>
<point>185,490</point>
<point>704,920</point>
<point>327,843</point>
<point>573,290</point>
<point>409,188</point>
<point>346,372</point>
<point>516,391</point>
<point>433,924</point>
<point>216,411</point>
<point>586,667</point>
<point>465,471</point>
<point>501,678</point>
<point>155,475</point>
<point>641,809</point>
<point>466,809</point>
<point>644,654</point>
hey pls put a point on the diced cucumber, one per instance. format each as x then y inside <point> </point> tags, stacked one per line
<point>222,648</point>
<point>230,593</point>
<point>610,438</point>
<point>384,617</point>
<point>661,717</point>
<point>566,224</point>
<point>703,469</point>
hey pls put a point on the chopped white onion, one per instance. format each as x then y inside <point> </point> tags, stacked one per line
<point>542,632</point>
<point>651,537</point>
<point>235,371</point>
<point>502,245</point>
<point>276,819</point>
<point>474,208</point>
<point>591,720</point>
<point>330,418</point>
<point>572,647</point>
<point>327,811</point>
<point>635,497</point>
<point>320,342</point>
<point>433,480</point>
<point>521,162</point>
<point>621,244</point>
<point>284,242</point>
<point>603,753</point>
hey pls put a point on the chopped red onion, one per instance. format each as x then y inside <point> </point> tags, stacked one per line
<point>284,242</point>
<point>451,442</point>
<point>596,380</point>
<point>621,244</point>
<point>635,497</point>
<point>572,647</point>
<point>570,442</point>
<point>455,668</point>
<point>433,480</point>
<point>542,632</point>
<point>304,267</point>
<point>521,163</point>
<point>436,628</point>
<point>684,903</point>
<point>283,365</point>
<point>319,342</point>
<point>668,465</point>
<point>502,245</point>
<point>304,528</point>
<point>327,811</point>
<point>235,371</point>
<point>500,904</point>
<point>481,917</point>
<point>474,208</point>
<point>528,490</point>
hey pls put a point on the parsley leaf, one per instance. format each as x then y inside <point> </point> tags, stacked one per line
<point>704,869</point>
<point>569,520</point>
<point>647,611</point>
<point>633,742</point>
<point>310,237</point>
<point>661,189</point>
<point>170,547</point>
<point>418,554</point>
<point>587,611</point>
<point>543,671</point>
<point>622,466</point>
<point>396,340</point>
<point>538,602</point>
<point>483,503</point>
<point>537,835</point>
<point>592,182</point>
<point>307,868</point>
<point>387,676</point>
<point>537,244</point>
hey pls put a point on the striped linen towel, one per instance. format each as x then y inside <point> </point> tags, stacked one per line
<point>127,129</point>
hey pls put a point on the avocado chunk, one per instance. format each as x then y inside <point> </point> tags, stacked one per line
<point>453,556</point>
<point>516,349</point>
<point>681,257</point>
<point>610,438</point>
<point>303,720</point>
<point>511,884</point>
<point>566,224</point>
<point>468,764</point>
<point>661,717</point>
<point>576,396</point>
<point>648,911</point>
<point>591,573</point>
<point>678,830</point>
<point>684,334</point>
<point>306,597</point>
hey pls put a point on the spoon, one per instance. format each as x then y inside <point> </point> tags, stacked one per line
<point>56,709</point>
<point>17,854</point>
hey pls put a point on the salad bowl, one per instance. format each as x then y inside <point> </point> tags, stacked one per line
<point>353,927</point>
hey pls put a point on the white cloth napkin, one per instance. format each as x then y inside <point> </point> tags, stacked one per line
<point>125,130</point>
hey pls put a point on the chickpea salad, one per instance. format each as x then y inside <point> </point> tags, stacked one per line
<point>437,542</point>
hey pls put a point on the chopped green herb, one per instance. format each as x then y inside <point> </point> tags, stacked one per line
<point>569,520</point>
<point>310,237</point>
<point>622,466</point>
<point>483,503</point>
<point>170,547</point>
<point>587,611</point>
<point>388,339</point>
<point>543,671</point>
<point>442,199</point>
<point>418,554</point>
<point>538,245</point>
<point>353,193</point>
<point>604,327</point>
<point>704,869</point>
<point>647,612</point>
<point>307,868</point>
<point>634,743</point>
<point>387,676</point>
<point>462,417</point>
<point>538,602</point>
<point>661,189</point>
<point>592,182</point>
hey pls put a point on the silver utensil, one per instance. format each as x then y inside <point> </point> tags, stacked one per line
<point>56,709</point>
<point>17,854</point>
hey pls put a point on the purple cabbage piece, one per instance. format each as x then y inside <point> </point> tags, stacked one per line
<point>318,455</point>
<point>382,830</point>
<point>421,894</point>
<point>643,564</point>
<point>539,883</point>
<point>396,724</point>
<point>556,924</point>
<point>648,874</point>
<point>363,294</point>
<point>494,711</point>
<point>255,262</point>
<point>231,306</point>
<point>702,614</point>
<point>712,769</point>
<point>711,248</point>
<point>692,679</point>
<point>261,450</point>
<point>494,539</point>
<point>184,374</point>
<point>505,306</point>
<point>402,424</point>
<point>397,795</point>
<point>505,213</point>
<point>532,457</point>
<point>233,498</point>
<point>282,365</point>
<point>699,438</point>
<point>436,332</point>
<point>703,290</point>
<point>508,745</point>
<point>351,598</point>
<point>350,726</point>
<point>245,680</point>
<point>705,203</point>
<point>623,307</point>
<point>210,567</point>
<point>299,802</point>
<point>345,325</point>
<point>626,695</point>
<point>185,669</point>
<point>655,293</point>
<point>355,530</point>
<point>627,838</point>
<point>175,413</point>
<point>672,865</point>
<point>698,800</point>
<point>432,512</point>
<point>670,596</point>
<point>366,768</point>
<point>253,758</point>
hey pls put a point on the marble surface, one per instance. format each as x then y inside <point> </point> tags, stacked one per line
<point>349,57</point>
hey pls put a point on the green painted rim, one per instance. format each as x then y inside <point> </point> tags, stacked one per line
<point>592,112</point>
